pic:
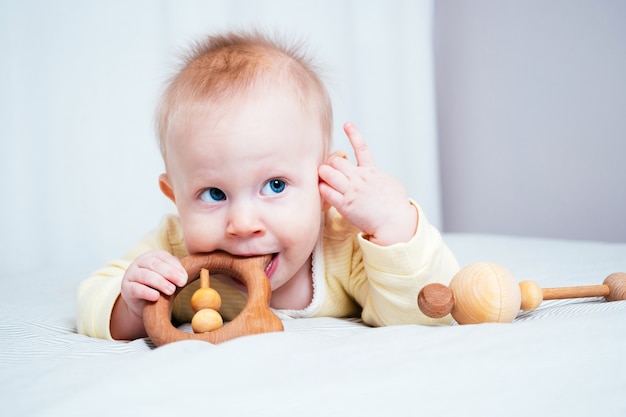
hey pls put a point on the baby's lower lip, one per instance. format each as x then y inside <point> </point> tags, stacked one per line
<point>271,266</point>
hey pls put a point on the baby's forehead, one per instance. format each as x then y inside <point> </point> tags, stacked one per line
<point>224,119</point>
<point>211,108</point>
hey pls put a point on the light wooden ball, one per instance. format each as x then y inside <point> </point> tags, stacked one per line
<point>204,298</point>
<point>532,295</point>
<point>485,292</point>
<point>617,286</point>
<point>206,320</point>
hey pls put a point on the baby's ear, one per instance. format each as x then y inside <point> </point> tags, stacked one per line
<point>336,154</point>
<point>166,187</point>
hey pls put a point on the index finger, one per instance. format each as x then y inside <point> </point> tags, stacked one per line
<point>364,156</point>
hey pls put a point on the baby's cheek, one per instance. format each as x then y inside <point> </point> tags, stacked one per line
<point>304,224</point>
<point>200,238</point>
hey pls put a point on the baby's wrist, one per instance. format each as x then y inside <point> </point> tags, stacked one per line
<point>399,229</point>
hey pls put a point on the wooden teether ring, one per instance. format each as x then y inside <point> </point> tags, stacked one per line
<point>256,316</point>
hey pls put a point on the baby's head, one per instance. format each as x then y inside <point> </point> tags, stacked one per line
<point>224,68</point>
<point>243,128</point>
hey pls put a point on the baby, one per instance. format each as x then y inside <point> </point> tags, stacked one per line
<point>245,133</point>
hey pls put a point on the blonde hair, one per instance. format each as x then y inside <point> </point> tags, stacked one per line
<point>223,66</point>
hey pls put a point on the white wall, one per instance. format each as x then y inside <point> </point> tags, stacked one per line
<point>79,81</point>
<point>532,117</point>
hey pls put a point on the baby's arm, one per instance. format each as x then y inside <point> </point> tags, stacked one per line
<point>395,275</point>
<point>148,276</point>
<point>373,201</point>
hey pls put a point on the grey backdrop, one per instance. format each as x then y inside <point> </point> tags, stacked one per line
<point>532,117</point>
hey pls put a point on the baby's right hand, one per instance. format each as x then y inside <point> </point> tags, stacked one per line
<point>149,275</point>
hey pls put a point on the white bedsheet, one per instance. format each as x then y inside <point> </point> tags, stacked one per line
<point>566,358</point>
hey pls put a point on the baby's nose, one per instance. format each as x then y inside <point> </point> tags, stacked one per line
<point>244,220</point>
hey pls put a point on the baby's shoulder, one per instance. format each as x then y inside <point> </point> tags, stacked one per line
<point>171,234</point>
<point>337,227</point>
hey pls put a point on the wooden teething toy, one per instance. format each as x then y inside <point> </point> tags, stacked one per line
<point>256,316</point>
<point>485,292</point>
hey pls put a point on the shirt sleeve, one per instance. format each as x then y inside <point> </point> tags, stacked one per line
<point>98,293</point>
<point>395,274</point>
<point>96,297</point>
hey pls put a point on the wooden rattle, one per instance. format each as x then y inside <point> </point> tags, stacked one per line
<point>255,318</point>
<point>485,292</point>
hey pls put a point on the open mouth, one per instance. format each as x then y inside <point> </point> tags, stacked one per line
<point>269,270</point>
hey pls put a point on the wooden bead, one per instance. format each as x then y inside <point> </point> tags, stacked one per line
<point>435,300</point>
<point>532,295</point>
<point>485,292</point>
<point>204,298</point>
<point>206,320</point>
<point>617,286</point>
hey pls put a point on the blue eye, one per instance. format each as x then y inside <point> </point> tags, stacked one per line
<point>212,195</point>
<point>274,187</point>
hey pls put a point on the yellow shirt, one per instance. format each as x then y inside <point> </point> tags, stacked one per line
<point>352,277</point>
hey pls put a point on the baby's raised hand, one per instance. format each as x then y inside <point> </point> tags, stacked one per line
<point>369,198</point>
<point>149,275</point>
